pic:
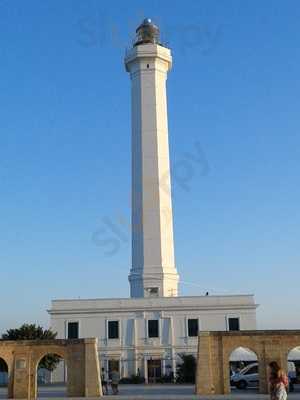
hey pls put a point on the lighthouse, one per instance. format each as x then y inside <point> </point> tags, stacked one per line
<point>153,272</point>
<point>146,333</point>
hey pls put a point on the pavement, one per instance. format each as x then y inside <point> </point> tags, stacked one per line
<point>154,392</point>
<point>182,392</point>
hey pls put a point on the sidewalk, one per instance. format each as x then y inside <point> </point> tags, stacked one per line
<point>294,396</point>
<point>158,392</point>
<point>189,397</point>
<point>236,396</point>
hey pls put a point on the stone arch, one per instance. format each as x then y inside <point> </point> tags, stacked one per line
<point>289,355</point>
<point>4,362</point>
<point>293,367</point>
<point>290,346</point>
<point>4,373</point>
<point>244,345</point>
<point>7,358</point>
<point>287,344</point>
<point>230,344</point>
<point>246,358</point>
<point>214,350</point>
<point>38,357</point>
<point>57,351</point>
<point>247,349</point>
<point>23,357</point>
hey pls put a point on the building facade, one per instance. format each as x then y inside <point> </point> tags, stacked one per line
<point>146,336</point>
<point>146,333</point>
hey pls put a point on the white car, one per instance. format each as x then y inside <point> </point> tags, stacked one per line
<point>247,377</point>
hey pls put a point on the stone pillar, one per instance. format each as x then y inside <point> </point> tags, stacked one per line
<point>10,388</point>
<point>222,367</point>
<point>76,371</point>
<point>263,370</point>
<point>204,377</point>
<point>272,351</point>
<point>22,388</point>
<point>92,370</point>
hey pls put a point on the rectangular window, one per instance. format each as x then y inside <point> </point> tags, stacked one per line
<point>153,329</point>
<point>153,292</point>
<point>113,329</point>
<point>73,330</point>
<point>193,327</point>
<point>233,324</point>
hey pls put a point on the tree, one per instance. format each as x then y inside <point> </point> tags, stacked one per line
<point>34,332</point>
<point>186,370</point>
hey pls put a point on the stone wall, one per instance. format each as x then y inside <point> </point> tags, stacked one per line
<point>215,348</point>
<point>80,356</point>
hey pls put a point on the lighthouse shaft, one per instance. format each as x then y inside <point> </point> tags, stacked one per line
<point>153,271</point>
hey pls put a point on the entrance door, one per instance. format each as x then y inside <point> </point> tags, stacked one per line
<point>154,370</point>
<point>113,365</point>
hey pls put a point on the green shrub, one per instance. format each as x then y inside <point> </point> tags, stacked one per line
<point>186,370</point>
<point>133,379</point>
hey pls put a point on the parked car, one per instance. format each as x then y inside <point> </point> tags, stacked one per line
<point>247,377</point>
<point>292,374</point>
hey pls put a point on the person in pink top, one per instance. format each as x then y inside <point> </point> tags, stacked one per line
<point>279,382</point>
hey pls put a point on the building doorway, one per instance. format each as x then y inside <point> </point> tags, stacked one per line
<point>113,365</point>
<point>3,379</point>
<point>154,370</point>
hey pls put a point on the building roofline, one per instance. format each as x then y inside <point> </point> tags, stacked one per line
<point>152,298</point>
<point>167,304</point>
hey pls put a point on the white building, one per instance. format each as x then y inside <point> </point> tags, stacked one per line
<point>143,335</point>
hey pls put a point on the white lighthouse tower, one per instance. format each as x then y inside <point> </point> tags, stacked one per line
<point>153,271</point>
<point>146,334</point>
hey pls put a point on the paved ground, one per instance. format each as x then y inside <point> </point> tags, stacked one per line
<point>154,392</point>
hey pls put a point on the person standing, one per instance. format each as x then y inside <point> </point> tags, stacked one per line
<point>115,378</point>
<point>278,382</point>
<point>104,381</point>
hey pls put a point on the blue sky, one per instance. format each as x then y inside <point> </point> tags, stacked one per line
<point>234,100</point>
